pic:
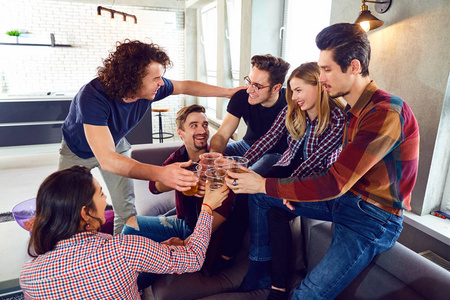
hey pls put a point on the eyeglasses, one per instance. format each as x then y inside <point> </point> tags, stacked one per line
<point>257,86</point>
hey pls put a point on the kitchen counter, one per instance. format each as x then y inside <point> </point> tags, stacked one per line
<point>31,97</point>
<point>37,118</point>
<point>32,119</point>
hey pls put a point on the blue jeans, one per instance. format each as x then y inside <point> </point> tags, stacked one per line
<point>361,231</point>
<point>159,228</point>
<point>262,165</point>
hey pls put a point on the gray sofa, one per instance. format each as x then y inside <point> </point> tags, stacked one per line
<point>399,273</point>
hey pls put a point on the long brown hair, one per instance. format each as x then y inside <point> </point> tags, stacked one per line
<point>296,118</point>
<point>58,208</point>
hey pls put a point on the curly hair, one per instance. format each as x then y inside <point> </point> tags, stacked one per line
<point>123,70</point>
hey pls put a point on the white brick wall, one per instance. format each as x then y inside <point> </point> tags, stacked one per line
<point>29,69</point>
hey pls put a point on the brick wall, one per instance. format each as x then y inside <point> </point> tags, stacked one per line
<point>33,69</point>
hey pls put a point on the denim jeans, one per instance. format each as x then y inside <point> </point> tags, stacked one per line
<point>237,223</point>
<point>159,228</point>
<point>361,231</point>
<point>262,165</point>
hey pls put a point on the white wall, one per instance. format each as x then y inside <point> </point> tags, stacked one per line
<point>29,69</point>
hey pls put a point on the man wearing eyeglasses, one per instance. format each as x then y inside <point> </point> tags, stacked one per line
<point>259,105</point>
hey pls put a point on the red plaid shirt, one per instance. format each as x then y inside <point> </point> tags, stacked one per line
<point>378,161</point>
<point>320,151</point>
<point>92,265</point>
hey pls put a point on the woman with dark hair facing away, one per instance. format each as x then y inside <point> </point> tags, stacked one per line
<point>315,123</point>
<point>72,260</point>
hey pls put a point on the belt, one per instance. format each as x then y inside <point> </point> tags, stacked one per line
<point>389,209</point>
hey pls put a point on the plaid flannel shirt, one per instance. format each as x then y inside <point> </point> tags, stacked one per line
<point>320,151</point>
<point>93,265</point>
<point>378,161</point>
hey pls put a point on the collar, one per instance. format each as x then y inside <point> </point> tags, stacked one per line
<point>184,153</point>
<point>79,237</point>
<point>363,100</point>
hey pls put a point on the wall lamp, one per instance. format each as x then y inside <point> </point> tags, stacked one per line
<point>113,12</point>
<point>369,21</point>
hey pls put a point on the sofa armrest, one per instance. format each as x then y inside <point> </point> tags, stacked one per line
<point>154,154</point>
<point>148,204</point>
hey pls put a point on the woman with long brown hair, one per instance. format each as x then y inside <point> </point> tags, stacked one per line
<point>314,123</point>
<point>72,260</point>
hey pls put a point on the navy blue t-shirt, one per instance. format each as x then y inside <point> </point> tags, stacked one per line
<point>92,106</point>
<point>258,118</point>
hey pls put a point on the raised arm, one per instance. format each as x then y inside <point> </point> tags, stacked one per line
<point>197,88</point>
<point>219,141</point>
<point>102,145</point>
<point>146,255</point>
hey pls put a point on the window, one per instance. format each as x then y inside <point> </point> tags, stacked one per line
<point>230,13</point>
<point>209,41</point>
<point>437,195</point>
<point>234,36</point>
<point>304,20</point>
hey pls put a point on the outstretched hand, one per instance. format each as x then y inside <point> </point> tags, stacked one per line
<point>248,182</point>
<point>215,198</point>
<point>176,177</point>
<point>201,189</point>
<point>236,89</point>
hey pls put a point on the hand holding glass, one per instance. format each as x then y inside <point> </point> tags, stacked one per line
<point>194,167</point>
<point>215,177</point>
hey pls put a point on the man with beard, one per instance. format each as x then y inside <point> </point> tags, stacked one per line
<point>192,128</point>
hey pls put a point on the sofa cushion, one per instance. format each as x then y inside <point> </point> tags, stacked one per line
<point>148,204</point>
<point>398,273</point>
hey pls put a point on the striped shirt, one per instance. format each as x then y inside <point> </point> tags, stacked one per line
<point>319,151</point>
<point>378,161</point>
<point>93,265</point>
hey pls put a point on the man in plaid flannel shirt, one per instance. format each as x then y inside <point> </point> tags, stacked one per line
<point>364,192</point>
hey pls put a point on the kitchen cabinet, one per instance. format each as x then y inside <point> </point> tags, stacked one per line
<point>32,120</point>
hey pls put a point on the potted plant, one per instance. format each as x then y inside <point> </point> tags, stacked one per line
<point>15,33</point>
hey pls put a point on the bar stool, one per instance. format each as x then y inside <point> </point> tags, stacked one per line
<point>161,135</point>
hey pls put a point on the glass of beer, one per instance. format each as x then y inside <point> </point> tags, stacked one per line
<point>237,161</point>
<point>223,163</point>
<point>216,177</point>
<point>209,158</point>
<point>194,167</point>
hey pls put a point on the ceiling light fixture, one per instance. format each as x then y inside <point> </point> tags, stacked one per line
<point>113,12</point>
<point>369,21</point>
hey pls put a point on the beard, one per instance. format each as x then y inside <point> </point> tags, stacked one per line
<point>200,145</point>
